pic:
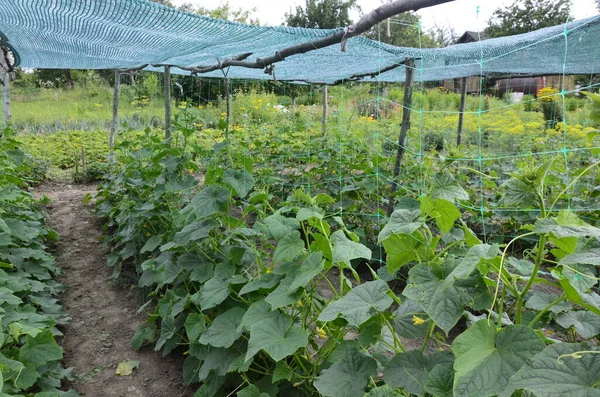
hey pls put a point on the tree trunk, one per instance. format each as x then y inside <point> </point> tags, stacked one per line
<point>69,79</point>
<point>6,98</point>
<point>404,127</point>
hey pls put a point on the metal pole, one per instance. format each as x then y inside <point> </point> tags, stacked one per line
<point>115,115</point>
<point>461,115</point>
<point>6,98</point>
<point>167,102</point>
<point>404,127</point>
<point>325,98</point>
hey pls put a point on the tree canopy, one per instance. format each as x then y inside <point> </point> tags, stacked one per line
<point>403,31</point>
<point>223,11</point>
<point>524,16</point>
<point>322,14</point>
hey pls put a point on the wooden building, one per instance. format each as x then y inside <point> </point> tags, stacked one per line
<point>525,85</point>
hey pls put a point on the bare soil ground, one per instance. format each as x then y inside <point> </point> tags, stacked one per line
<point>104,316</point>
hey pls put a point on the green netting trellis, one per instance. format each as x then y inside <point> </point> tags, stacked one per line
<point>106,34</point>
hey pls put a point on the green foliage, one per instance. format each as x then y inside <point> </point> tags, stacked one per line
<point>526,16</point>
<point>406,33</point>
<point>29,355</point>
<point>322,14</point>
<point>265,293</point>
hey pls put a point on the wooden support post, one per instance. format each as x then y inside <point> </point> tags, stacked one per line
<point>461,115</point>
<point>115,115</point>
<point>6,98</point>
<point>404,127</point>
<point>228,103</point>
<point>325,106</point>
<point>167,102</point>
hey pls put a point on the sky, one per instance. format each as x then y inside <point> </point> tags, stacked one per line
<point>461,14</point>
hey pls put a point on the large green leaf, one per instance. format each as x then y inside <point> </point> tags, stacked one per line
<point>581,277</point>
<point>551,374</point>
<point>152,243</point>
<point>280,226</point>
<point>345,250</point>
<point>473,258</point>
<point>240,180</point>
<point>276,335</point>
<point>486,358</point>
<point>213,292</point>
<point>266,281</point>
<point>216,360</point>
<point>40,350</point>
<point>23,230</point>
<point>347,377</point>
<point>283,295</point>
<point>309,269</point>
<point>566,224</point>
<point>360,303</point>
<point>444,186</point>
<point>440,381</point>
<point>402,249</point>
<point>401,221</point>
<point>519,193</point>
<point>540,300</point>
<point>587,324</point>
<point>7,296</point>
<point>210,200</point>
<point>195,231</point>
<point>440,295</point>
<point>410,370</point>
<point>257,312</point>
<point>443,211</point>
<point>289,247</point>
<point>223,331</point>
<point>584,256</point>
<point>251,391</point>
<point>195,325</point>
<point>404,323</point>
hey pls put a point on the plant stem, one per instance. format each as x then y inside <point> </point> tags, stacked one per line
<point>536,268</point>
<point>545,310</point>
<point>397,341</point>
<point>429,332</point>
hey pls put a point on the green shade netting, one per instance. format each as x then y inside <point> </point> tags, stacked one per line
<point>108,34</point>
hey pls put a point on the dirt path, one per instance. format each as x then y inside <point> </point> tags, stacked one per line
<point>104,316</point>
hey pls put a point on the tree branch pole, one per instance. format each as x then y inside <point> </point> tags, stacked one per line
<point>461,114</point>
<point>365,23</point>
<point>325,106</point>
<point>115,114</point>
<point>404,127</point>
<point>6,98</point>
<point>167,102</point>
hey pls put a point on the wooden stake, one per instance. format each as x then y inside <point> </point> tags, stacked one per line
<point>115,115</point>
<point>325,98</point>
<point>461,115</point>
<point>228,103</point>
<point>6,98</point>
<point>167,102</point>
<point>404,127</point>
